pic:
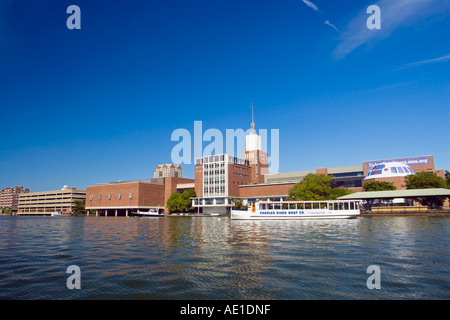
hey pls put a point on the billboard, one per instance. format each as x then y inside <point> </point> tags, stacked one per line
<point>413,161</point>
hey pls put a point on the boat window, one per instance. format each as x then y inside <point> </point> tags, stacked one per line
<point>346,206</point>
<point>315,206</point>
<point>270,206</point>
<point>400,169</point>
<point>300,206</point>
<point>356,205</point>
<point>380,166</point>
<point>331,206</point>
<point>307,205</point>
<point>341,206</point>
<point>263,206</point>
<point>277,206</point>
<point>285,206</point>
<point>292,206</point>
<point>352,206</point>
<point>393,169</point>
<point>323,205</point>
<point>406,169</point>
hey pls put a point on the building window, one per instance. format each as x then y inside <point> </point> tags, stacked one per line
<point>120,196</point>
<point>109,197</point>
<point>130,195</point>
<point>91,197</point>
<point>99,197</point>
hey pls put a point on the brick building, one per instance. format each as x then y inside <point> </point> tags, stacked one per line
<point>9,197</point>
<point>123,198</point>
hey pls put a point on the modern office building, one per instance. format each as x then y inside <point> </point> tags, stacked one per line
<point>47,202</point>
<point>123,198</point>
<point>9,197</point>
<point>217,181</point>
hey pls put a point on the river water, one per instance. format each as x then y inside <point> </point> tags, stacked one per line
<point>215,258</point>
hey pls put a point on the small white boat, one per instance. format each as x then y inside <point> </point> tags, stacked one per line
<point>149,213</point>
<point>296,210</point>
<point>59,214</point>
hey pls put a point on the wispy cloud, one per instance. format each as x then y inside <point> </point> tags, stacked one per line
<point>316,8</point>
<point>394,14</point>
<point>311,5</point>
<point>420,63</point>
<point>327,22</point>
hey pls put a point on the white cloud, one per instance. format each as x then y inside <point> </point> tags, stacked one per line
<point>394,14</point>
<point>311,5</point>
<point>327,22</point>
<point>419,63</point>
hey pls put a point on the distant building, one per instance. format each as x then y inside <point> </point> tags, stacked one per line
<point>46,202</point>
<point>9,197</point>
<point>168,170</point>
<point>123,198</point>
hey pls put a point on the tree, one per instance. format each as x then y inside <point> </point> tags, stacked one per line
<point>181,202</point>
<point>316,187</point>
<point>79,207</point>
<point>426,180</point>
<point>447,178</point>
<point>379,186</point>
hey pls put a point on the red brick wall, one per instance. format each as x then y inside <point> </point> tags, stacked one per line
<point>143,194</point>
<point>234,181</point>
<point>265,190</point>
<point>199,181</point>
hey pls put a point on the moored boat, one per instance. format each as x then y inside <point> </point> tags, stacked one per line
<point>295,210</point>
<point>149,213</point>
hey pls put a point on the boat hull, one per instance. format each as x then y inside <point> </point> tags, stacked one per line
<point>283,215</point>
<point>148,215</point>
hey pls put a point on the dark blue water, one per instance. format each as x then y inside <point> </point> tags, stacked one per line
<point>216,258</point>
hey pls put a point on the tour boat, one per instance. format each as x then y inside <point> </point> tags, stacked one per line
<point>149,213</point>
<point>287,210</point>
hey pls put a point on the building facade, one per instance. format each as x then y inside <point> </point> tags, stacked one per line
<point>168,170</point>
<point>47,202</point>
<point>123,198</point>
<point>9,197</point>
<point>217,181</point>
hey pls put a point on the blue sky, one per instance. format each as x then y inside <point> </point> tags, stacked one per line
<point>80,107</point>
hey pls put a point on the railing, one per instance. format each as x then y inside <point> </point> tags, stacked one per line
<point>406,209</point>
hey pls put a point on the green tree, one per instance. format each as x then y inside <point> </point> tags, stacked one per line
<point>447,178</point>
<point>316,187</point>
<point>79,207</point>
<point>181,202</point>
<point>426,180</point>
<point>379,186</point>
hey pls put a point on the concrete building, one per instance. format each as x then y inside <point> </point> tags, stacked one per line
<point>46,202</point>
<point>217,181</point>
<point>168,170</point>
<point>9,197</point>
<point>123,198</point>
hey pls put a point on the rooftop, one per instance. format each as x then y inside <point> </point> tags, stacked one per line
<point>398,194</point>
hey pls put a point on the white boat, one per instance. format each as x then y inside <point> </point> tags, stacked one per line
<point>149,213</point>
<point>295,210</point>
<point>59,214</point>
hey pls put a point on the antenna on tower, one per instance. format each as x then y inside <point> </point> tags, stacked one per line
<point>253,119</point>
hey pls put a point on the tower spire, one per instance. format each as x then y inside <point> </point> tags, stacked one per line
<point>253,119</point>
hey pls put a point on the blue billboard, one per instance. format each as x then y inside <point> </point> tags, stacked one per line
<point>413,161</point>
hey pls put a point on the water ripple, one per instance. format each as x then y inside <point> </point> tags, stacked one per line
<point>215,258</point>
